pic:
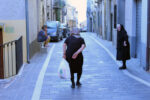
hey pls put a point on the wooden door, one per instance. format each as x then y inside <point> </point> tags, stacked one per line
<point>1,55</point>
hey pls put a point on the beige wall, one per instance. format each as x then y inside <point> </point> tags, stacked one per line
<point>13,29</point>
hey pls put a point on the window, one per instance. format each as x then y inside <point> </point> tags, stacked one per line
<point>115,16</point>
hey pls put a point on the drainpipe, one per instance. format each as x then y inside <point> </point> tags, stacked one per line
<point>148,37</point>
<point>27,31</point>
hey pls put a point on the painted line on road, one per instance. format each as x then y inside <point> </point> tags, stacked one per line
<point>38,87</point>
<point>119,64</point>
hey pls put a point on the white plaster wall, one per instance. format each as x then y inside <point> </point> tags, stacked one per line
<point>33,20</point>
<point>130,18</point>
<point>144,33</point>
<point>12,9</point>
<point>144,22</point>
<point>103,20</point>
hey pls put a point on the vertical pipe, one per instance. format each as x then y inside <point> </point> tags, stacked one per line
<point>27,31</point>
<point>148,38</point>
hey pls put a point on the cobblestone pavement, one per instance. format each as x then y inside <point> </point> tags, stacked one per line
<point>101,79</point>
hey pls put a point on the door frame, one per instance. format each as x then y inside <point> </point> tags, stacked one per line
<point>1,55</point>
<point>148,41</point>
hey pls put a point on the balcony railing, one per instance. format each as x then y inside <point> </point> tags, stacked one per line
<point>12,54</point>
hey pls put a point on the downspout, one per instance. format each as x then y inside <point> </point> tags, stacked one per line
<point>27,31</point>
<point>148,37</point>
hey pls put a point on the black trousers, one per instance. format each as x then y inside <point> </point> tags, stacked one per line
<point>124,63</point>
<point>78,77</point>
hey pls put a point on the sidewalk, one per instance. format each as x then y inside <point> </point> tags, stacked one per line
<point>133,65</point>
<point>21,87</point>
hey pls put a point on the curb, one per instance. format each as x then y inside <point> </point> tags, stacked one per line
<point>126,72</point>
<point>7,82</point>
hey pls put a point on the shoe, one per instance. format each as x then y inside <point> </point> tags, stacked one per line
<point>73,86</point>
<point>78,84</point>
<point>46,46</point>
<point>73,83</point>
<point>122,68</point>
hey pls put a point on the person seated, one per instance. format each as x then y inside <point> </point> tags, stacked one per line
<point>43,37</point>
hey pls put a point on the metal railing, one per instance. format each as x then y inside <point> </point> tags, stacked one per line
<point>12,57</point>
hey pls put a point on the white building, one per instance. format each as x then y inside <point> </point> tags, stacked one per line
<point>133,14</point>
<point>136,26</point>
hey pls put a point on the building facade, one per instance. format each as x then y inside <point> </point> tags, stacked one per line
<point>39,11</point>
<point>59,10</point>
<point>136,26</point>
<point>13,26</point>
<point>90,15</point>
<point>21,21</point>
<point>71,16</point>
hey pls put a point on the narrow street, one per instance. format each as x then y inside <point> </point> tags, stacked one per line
<point>32,34</point>
<point>101,79</point>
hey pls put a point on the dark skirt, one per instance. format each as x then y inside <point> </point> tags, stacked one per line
<point>76,64</point>
<point>123,53</point>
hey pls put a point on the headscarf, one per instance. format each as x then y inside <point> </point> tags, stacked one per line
<point>75,31</point>
<point>122,28</point>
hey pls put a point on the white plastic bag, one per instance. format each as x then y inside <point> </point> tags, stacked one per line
<point>63,70</point>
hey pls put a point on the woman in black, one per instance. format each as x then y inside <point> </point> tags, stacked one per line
<point>123,46</point>
<point>73,47</point>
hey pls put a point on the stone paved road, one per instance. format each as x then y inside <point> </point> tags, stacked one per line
<point>101,79</point>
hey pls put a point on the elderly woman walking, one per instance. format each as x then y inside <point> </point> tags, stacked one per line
<point>72,52</point>
<point>123,46</point>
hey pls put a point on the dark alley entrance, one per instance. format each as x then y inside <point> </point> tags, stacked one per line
<point>1,54</point>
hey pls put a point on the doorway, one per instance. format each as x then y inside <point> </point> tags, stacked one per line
<point>111,23</point>
<point>91,25</point>
<point>1,55</point>
<point>148,38</point>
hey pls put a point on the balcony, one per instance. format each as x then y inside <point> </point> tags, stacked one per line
<point>98,1</point>
<point>59,4</point>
